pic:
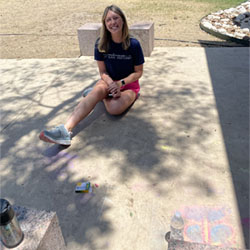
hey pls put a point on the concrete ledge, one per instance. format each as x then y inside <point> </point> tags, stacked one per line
<point>41,230</point>
<point>89,32</point>
<point>144,32</point>
<point>87,35</point>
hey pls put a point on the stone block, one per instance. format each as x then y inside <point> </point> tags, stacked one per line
<point>89,32</point>
<point>144,32</point>
<point>87,35</point>
<point>41,230</point>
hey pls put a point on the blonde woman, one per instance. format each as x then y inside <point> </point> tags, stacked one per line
<point>120,61</point>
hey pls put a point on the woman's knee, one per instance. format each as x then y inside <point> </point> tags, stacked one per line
<point>101,84</point>
<point>114,110</point>
<point>100,89</point>
<point>117,107</point>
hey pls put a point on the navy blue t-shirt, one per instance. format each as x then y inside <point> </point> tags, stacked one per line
<point>119,62</point>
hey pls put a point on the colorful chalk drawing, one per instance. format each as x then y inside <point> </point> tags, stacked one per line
<point>209,225</point>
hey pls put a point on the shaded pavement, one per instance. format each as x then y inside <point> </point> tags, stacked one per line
<point>184,144</point>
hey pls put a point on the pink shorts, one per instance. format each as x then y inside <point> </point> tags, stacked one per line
<point>134,86</point>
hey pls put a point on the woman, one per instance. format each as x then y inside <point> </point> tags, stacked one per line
<point>120,61</point>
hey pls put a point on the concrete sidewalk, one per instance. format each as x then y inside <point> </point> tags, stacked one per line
<point>183,145</point>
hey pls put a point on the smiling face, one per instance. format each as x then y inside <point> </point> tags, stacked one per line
<point>114,23</point>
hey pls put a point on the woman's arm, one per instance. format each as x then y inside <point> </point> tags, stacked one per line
<point>103,73</point>
<point>113,86</point>
<point>134,76</point>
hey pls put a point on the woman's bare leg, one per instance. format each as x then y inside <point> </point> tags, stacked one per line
<point>87,104</point>
<point>116,106</point>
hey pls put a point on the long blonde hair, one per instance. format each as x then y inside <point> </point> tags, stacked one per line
<point>105,38</point>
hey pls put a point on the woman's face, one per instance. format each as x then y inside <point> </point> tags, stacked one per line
<point>113,22</point>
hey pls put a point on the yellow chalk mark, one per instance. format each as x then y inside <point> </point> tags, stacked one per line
<point>206,233</point>
<point>168,148</point>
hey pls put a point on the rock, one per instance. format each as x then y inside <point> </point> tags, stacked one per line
<point>241,9</point>
<point>239,18</point>
<point>229,10</point>
<point>219,12</point>
<point>208,25</point>
<point>239,35</point>
<point>232,22</point>
<point>225,20</point>
<point>222,31</point>
<point>216,17</point>
<point>226,26</point>
<point>218,24</point>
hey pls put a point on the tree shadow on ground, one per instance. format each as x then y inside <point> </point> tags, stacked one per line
<point>139,142</point>
<point>97,112</point>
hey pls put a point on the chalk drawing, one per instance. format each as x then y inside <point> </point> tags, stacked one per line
<point>168,148</point>
<point>194,232</point>
<point>208,225</point>
<point>221,234</point>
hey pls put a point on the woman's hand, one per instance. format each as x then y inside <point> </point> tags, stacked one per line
<point>114,89</point>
